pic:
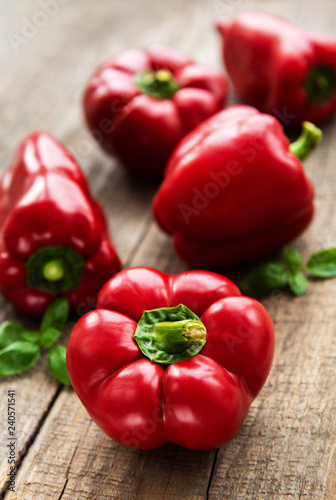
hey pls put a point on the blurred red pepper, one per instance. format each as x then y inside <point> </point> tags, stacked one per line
<point>139,104</point>
<point>54,237</point>
<point>280,68</point>
<point>234,189</point>
<point>170,358</point>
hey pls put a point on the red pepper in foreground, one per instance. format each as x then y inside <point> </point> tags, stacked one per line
<point>170,358</point>
<point>234,190</point>
<point>280,68</point>
<point>139,104</point>
<point>54,237</point>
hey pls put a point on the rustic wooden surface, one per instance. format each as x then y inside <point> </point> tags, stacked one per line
<point>286,448</point>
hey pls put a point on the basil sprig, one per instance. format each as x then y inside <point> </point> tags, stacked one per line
<point>292,274</point>
<point>323,264</point>
<point>57,364</point>
<point>21,349</point>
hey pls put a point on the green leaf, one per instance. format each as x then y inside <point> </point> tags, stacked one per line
<point>49,336</point>
<point>56,315</point>
<point>29,336</point>
<point>18,357</point>
<point>265,279</point>
<point>57,364</point>
<point>323,264</point>
<point>298,283</point>
<point>292,258</point>
<point>10,332</point>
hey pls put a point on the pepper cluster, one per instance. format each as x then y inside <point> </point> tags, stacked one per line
<point>171,358</point>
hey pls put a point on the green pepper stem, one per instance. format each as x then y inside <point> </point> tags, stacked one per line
<point>175,336</point>
<point>160,84</point>
<point>53,270</point>
<point>320,85</point>
<point>170,334</point>
<point>307,142</point>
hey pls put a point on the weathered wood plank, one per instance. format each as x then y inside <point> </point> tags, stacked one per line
<point>127,207</point>
<point>71,458</point>
<point>286,448</point>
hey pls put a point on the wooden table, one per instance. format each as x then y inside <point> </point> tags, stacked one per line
<point>286,448</point>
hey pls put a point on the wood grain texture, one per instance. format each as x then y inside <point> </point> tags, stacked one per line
<point>286,448</point>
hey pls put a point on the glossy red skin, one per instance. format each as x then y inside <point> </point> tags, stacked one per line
<point>139,129</point>
<point>45,200</point>
<point>268,60</point>
<point>200,403</point>
<point>233,191</point>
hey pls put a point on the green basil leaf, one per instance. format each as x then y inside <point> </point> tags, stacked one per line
<point>56,315</point>
<point>298,283</point>
<point>30,336</point>
<point>10,332</point>
<point>323,264</point>
<point>18,357</point>
<point>57,364</point>
<point>292,258</point>
<point>49,336</point>
<point>265,279</point>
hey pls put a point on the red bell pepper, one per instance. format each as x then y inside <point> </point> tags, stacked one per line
<point>280,68</point>
<point>234,189</point>
<point>139,104</point>
<point>170,358</point>
<point>54,237</point>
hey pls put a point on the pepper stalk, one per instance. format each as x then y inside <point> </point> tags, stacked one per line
<point>310,137</point>
<point>170,334</point>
